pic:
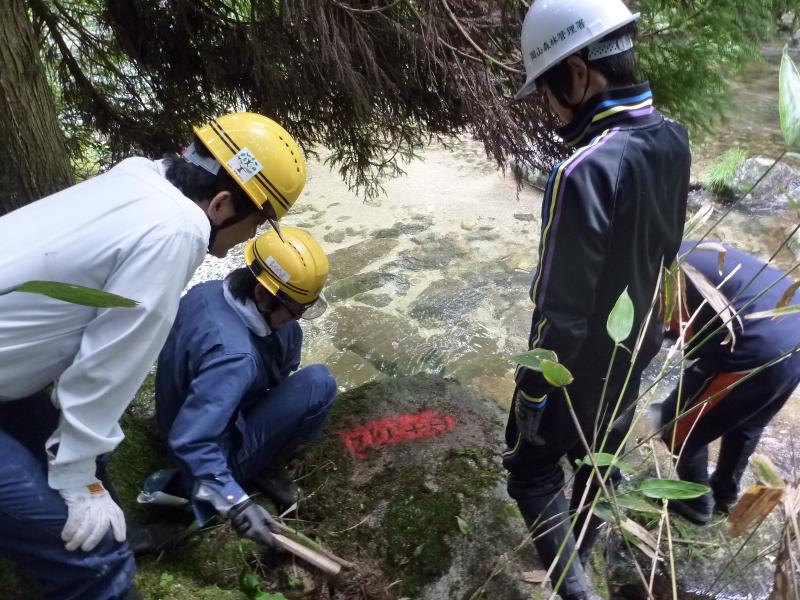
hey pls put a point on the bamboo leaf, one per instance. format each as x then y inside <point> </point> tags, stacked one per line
<point>555,373</point>
<point>788,294</point>
<point>716,299</point>
<point>635,502</point>
<point>533,358</point>
<point>620,321</point>
<point>766,472</point>
<point>604,459</point>
<point>789,99</point>
<point>75,294</point>
<point>672,489</point>
<point>637,534</point>
<point>463,526</point>
<point>775,312</point>
<point>697,220</point>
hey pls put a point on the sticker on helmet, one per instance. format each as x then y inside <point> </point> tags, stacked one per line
<point>282,274</point>
<point>244,165</point>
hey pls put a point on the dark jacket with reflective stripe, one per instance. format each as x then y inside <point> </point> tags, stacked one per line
<point>751,286</point>
<point>613,213</point>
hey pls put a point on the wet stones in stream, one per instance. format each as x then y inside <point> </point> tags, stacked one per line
<point>433,252</point>
<point>769,195</point>
<point>388,341</point>
<point>347,287</point>
<point>350,260</point>
<point>408,482</point>
<point>445,300</point>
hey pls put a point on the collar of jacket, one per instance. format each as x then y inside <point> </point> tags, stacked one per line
<point>247,312</point>
<point>616,106</point>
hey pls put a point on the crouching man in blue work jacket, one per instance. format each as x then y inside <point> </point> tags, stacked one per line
<point>729,391</point>
<point>227,404</point>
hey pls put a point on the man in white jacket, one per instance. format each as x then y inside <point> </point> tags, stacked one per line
<point>139,230</point>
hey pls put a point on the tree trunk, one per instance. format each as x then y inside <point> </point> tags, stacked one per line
<point>33,154</point>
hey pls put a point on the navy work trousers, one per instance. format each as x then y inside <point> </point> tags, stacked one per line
<point>290,415</point>
<point>32,514</point>
<point>730,406</point>
<point>536,472</point>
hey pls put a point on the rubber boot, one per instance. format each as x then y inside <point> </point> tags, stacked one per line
<point>734,453</point>
<point>694,467</point>
<point>278,486</point>
<point>548,519</point>
<point>275,480</point>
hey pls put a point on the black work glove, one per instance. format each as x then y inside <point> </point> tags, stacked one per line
<point>252,522</point>
<point>528,412</point>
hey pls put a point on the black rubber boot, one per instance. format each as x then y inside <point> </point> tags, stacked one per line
<point>694,467</point>
<point>278,486</point>
<point>548,519</point>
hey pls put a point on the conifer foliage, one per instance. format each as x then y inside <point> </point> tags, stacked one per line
<point>370,80</point>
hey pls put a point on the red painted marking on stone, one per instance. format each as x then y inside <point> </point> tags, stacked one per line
<point>395,430</point>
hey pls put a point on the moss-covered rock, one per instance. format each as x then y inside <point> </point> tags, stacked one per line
<point>430,513</point>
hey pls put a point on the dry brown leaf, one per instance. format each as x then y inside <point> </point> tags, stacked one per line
<point>641,538</point>
<point>535,576</point>
<point>788,294</point>
<point>718,301</point>
<point>719,249</point>
<point>757,502</point>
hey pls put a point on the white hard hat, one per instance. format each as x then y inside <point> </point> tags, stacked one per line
<point>555,29</point>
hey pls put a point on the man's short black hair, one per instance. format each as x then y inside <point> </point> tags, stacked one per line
<point>198,184</point>
<point>619,69</point>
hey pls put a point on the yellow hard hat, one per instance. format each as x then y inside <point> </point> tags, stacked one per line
<point>293,269</point>
<point>260,155</point>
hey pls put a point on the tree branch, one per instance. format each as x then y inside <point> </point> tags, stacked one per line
<point>472,42</point>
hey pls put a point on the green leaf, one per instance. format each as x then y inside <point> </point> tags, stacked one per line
<point>672,489</point>
<point>789,99</point>
<point>793,203</point>
<point>250,583</point>
<point>267,596</point>
<point>604,511</point>
<point>766,472</point>
<point>620,321</point>
<point>533,358</point>
<point>167,578</point>
<point>633,501</point>
<point>463,526</point>
<point>555,373</point>
<point>604,459</point>
<point>75,294</point>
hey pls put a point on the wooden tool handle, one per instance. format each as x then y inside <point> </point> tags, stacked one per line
<point>323,563</point>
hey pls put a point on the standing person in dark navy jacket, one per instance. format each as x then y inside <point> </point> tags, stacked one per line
<point>227,404</point>
<point>613,214</point>
<point>726,393</point>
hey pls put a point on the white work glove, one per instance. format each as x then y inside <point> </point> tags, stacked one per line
<point>90,512</point>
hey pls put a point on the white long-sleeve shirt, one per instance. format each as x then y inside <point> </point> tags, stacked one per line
<point>129,232</point>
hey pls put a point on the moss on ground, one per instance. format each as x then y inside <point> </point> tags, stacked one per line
<point>416,530</point>
<point>413,504</point>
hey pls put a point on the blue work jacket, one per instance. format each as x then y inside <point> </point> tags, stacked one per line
<point>753,287</point>
<point>211,369</point>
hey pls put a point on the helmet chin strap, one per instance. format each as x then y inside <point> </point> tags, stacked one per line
<point>575,107</point>
<point>215,229</point>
